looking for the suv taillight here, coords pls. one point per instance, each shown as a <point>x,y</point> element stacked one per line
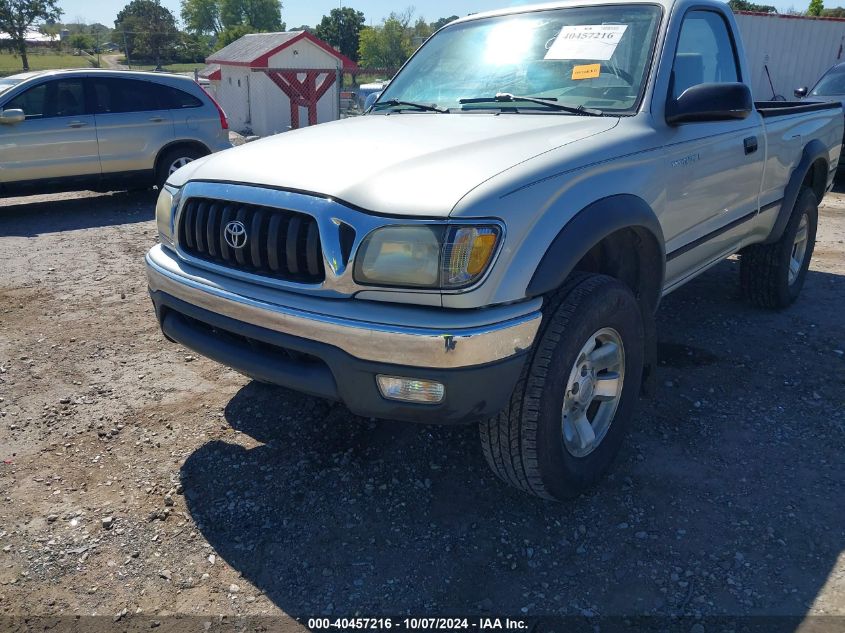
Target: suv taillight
<point>223,122</point>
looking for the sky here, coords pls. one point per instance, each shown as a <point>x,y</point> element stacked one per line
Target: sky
<point>298,12</point>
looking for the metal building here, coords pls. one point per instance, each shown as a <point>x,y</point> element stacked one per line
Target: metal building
<point>796,50</point>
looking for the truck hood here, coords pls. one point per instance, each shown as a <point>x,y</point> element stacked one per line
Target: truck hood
<point>417,164</point>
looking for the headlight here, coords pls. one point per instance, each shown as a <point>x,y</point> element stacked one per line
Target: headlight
<point>426,256</point>
<point>168,198</point>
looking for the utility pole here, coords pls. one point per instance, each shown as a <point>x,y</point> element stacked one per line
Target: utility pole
<point>126,51</point>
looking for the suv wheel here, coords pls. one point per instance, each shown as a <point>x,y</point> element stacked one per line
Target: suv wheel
<point>173,160</point>
<point>571,408</point>
<point>772,275</point>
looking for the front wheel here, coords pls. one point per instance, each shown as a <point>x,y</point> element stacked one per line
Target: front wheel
<point>570,410</point>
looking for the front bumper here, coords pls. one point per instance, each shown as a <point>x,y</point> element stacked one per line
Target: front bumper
<point>304,343</point>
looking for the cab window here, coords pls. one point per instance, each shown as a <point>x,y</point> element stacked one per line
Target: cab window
<point>705,53</point>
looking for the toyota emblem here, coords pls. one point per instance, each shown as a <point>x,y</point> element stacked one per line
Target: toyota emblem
<point>235,234</point>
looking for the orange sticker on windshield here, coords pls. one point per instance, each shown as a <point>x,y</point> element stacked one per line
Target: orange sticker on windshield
<point>586,71</point>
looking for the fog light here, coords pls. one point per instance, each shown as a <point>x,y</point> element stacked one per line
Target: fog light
<point>410,389</point>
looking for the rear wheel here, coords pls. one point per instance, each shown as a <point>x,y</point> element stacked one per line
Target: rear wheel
<point>772,275</point>
<point>570,410</point>
<point>173,160</point>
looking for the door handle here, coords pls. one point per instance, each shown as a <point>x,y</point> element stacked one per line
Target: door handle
<point>156,119</point>
<point>77,124</point>
<point>750,144</point>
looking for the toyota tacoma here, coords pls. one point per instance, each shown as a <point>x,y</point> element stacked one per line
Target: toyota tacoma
<point>535,180</point>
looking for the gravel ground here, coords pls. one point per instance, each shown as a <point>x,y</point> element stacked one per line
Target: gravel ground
<point>136,477</point>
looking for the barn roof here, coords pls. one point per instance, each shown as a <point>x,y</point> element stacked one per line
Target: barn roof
<point>255,49</point>
<point>211,72</point>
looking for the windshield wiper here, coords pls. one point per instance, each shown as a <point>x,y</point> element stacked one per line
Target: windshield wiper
<point>410,104</point>
<point>506,97</point>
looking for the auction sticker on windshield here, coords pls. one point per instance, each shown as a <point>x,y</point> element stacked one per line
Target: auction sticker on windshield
<point>587,71</point>
<point>587,41</point>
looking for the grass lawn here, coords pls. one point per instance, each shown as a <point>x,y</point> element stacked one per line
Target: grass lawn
<point>9,64</point>
<point>171,68</point>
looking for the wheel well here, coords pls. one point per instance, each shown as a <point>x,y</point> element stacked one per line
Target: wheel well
<point>633,256</point>
<point>816,178</point>
<point>177,144</point>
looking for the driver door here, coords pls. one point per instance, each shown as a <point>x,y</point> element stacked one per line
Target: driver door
<point>715,167</point>
<point>56,143</point>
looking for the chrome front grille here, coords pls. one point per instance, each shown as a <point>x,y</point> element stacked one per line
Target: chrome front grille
<point>278,243</point>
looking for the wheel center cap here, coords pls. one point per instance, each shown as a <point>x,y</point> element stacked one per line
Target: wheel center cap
<point>586,388</point>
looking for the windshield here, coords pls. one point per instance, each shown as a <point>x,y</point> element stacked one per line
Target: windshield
<point>594,57</point>
<point>833,83</point>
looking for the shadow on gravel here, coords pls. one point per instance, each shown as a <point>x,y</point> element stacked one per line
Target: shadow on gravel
<point>28,219</point>
<point>727,498</point>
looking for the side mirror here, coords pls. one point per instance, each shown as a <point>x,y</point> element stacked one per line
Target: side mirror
<point>371,99</point>
<point>710,102</point>
<point>10,117</point>
<point>801,92</point>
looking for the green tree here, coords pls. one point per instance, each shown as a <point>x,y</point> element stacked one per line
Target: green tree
<point>202,17</point>
<point>18,16</point>
<point>232,33</point>
<point>744,5</point>
<point>192,48</point>
<point>342,29</point>
<point>816,7</point>
<point>439,24</point>
<point>261,15</point>
<point>149,30</point>
<point>388,45</point>
<point>836,12</point>
<point>81,41</point>
<point>421,32</point>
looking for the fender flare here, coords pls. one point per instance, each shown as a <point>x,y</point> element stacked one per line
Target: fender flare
<point>587,228</point>
<point>813,151</point>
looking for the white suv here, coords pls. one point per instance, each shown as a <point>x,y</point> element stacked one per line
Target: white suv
<point>102,130</point>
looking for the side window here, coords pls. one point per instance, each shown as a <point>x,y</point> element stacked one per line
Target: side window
<point>32,102</point>
<point>176,99</point>
<point>705,52</point>
<point>61,98</point>
<point>69,98</point>
<point>115,96</point>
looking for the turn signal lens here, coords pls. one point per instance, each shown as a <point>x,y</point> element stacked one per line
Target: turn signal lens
<point>467,253</point>
<point>410,389</point>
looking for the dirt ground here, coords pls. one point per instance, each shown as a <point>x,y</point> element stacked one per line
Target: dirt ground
<point>138,478</point>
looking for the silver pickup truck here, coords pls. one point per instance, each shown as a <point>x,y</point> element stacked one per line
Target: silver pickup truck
<point>534,180</point>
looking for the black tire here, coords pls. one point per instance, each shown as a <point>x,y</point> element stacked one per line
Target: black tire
<point>171,156</point>
<point>764,269</point>
<point>524,444</point>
